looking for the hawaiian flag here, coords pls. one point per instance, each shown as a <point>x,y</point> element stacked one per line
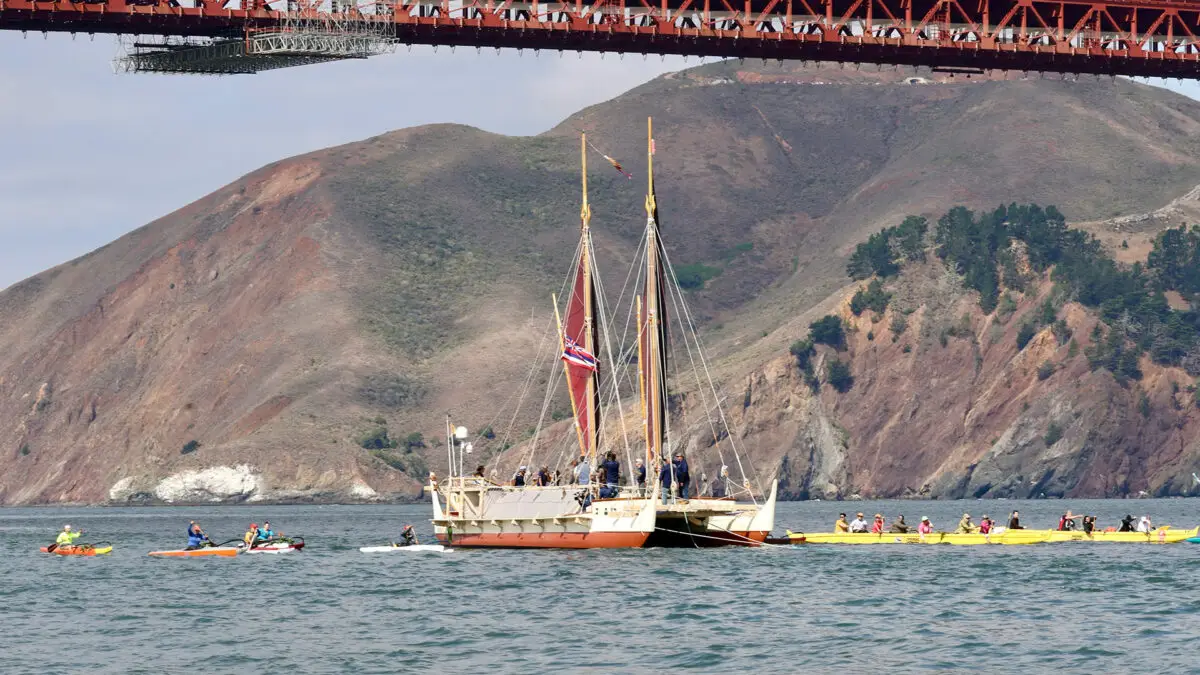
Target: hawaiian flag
<point>573,353</point>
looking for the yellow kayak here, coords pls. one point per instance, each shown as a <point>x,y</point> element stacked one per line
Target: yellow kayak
<point>1007,537</point>
<point>1162,535</point>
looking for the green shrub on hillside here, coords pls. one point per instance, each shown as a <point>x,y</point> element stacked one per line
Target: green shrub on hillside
<point>376,439</point>
<point>837,374</point>
<point>694,276</point>
<point>873,297</point>
<point>828,330</point>
<point>886,251</point>
<point>1054,433</point>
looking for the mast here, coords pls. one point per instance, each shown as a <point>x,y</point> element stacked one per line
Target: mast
<point>577,331</point>
<point>652,344</point>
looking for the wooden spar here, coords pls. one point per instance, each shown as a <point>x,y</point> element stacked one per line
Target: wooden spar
<point>642,385</point>
<point>585,217</point>
<point>653,361</point>
<point>562,347</point>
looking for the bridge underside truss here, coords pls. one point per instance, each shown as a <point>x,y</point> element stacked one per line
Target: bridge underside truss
<point>1117,37</point>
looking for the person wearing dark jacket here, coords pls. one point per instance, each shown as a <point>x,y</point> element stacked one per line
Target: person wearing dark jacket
<point>639,474</point>
<point>665,478</point>
<point>1014,521</point>
<point>681,475</point>
<point>1126,524</point>
<point>612,476</point>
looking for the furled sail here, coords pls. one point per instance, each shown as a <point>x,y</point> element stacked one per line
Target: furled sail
<point>652,323</point>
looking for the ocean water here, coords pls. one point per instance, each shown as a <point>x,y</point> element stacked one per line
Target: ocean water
<point>1070,608</point>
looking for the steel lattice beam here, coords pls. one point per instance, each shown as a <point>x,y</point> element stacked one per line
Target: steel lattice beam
<point>1153,38</point>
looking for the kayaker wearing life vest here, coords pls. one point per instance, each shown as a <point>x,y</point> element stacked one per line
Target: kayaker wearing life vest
<point>196,536</point>
<point>408,536</point>
<point>251,535</point>
<point>67,537</point>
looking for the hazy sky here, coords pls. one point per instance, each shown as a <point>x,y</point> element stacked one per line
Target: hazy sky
<point>86,155</point>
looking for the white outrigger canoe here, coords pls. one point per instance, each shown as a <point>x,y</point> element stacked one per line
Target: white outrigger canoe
<point>414,548</point>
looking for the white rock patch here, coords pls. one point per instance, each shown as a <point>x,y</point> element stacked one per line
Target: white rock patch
<point>363,491</point>
<point>214,484</point>
<point>121,489</point>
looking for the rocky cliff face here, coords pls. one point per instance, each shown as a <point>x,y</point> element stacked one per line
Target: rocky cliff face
<point>289,336</point>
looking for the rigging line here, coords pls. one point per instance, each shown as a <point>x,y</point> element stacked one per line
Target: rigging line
<point>716,395</point>
<point>612,367</point>
<point>521,393</point>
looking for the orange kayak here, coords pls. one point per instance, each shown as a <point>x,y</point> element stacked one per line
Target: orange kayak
<point>78,549</point>
<point>224,551</point>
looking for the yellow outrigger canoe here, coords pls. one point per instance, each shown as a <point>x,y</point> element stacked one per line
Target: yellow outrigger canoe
<point>957,539</point>
<point>1162,535</point>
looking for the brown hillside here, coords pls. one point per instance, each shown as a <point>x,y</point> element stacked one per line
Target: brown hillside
<point>282,319</point>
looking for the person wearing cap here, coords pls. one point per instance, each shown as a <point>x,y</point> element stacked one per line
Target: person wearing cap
<point>899,526</point>
<point>925,527</point>
<point>1144,525</point>
<point>639,474</point>
<point>1014,521</point>
<point>583,472</point>
<point>251,535</point>
<point>408,536</point>
<point>965,526</point>
<point>877,524</point>
<point>858,524</point>
<point>841,525</point>
<point>196,536</point>
<point>986,525</point>
<point>67,537</point>
<point>682,477</point>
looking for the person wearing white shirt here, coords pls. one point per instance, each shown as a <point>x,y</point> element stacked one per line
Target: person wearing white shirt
<point>858,524</point>
<point>1144,525</point>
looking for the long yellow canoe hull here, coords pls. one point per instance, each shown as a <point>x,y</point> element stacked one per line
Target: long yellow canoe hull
<point>1009,537</point>
<point>1163,535</point>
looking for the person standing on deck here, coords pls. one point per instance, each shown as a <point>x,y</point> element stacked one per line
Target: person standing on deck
<point>639,473</point>
<point>682,477</point>
<point>583,472</point>
<point>519,478</point>
<point>718,485</point>
<point>666,480</point>
<point>612,476</point>
<point>543,477</point>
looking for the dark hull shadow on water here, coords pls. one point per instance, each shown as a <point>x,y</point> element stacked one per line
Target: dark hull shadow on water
<point>1070,608</point>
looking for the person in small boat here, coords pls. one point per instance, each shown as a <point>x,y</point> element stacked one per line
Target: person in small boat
<point>682,477</point>
<point>196,537</point>
<point>858,524</point>
<point>899,526</point>
<point>1089,524</point>
<point>519,478</point>
<point>67,537</point>
<point>1067,522</point>
<point>719,485</point>
<point>1126,524</point>
<point>543,478</point>
<point>965,526</point>
<point>639,474</point>
<point>986,524</point>
<point>612,475</point>
<point>926,527</point>
<point>251,535</point>
<point>265,533</point>
<point>841,525</point>
<point>1014,521</point>
<point>408,536</point>
<point>1144,525</point>
<point>666,478</point>
<point>877,524</point>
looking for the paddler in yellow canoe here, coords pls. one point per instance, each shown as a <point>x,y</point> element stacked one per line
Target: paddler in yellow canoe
<point>965,526</point>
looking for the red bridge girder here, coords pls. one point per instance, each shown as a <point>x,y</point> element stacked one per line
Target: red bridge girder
<point>1119,37</point>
